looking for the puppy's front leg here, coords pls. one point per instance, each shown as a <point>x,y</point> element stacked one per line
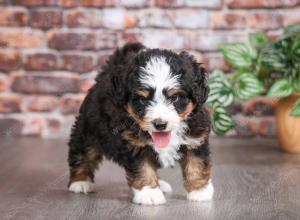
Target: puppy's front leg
<point>196,171</point>
<point>143,180</point>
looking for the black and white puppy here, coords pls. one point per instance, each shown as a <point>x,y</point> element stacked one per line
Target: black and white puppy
<point>145,112</point>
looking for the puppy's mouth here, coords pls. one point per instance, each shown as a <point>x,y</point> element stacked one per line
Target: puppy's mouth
<point>161,139</point>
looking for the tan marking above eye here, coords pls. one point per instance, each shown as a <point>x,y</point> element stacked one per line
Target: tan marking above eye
<point>143,93</point>
<point>173,92</point>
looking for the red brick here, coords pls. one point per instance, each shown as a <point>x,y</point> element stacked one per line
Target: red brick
<point>130,21</point>
<point>13,17</point>
<point>22,38</point>
<point>106,40</point>
<point>86,84</point>
<point>4,83</point>
<point>32,3</point>
<point>134,3</point>
<point>267,127</point>
<point>262,3</point>
<point>46,19</point>
<point>214,61</point>
<point>236,108</point>
<point>71,40</point>
<point>113,18</point>
<point>193,19</point>
<point>156,18</point>
<point>227,20</point>
<point>53,127</point>
<point>214,4</point>
<point>42,103</point>
<point>45,84</point>
<point>98,3</point>
<point>40,61</point>
<point>210,42</point>
<point>260,106</point>
<point>265,21</point>
<point>246,127</point>
<point>292,17</point>
<point>77,63</point>
<point>11,127</point>
<point>164,39</point>
<point>84,18</point>
<point>9,61</point>
<point>68,3</point>
<point>102,59</point>
<point>70,104</point>
<point>169,3</point>
<point>33,126</point>
<point>131,37</point>
<point>10,104</point>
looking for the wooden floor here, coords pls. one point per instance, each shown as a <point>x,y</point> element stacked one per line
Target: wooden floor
<point>252,179</point>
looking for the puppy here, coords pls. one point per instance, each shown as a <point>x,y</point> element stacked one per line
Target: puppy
<point>145,112</point>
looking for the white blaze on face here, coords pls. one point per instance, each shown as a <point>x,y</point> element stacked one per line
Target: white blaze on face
<point>157,75</point>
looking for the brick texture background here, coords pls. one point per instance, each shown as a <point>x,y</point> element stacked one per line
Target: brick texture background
<point>50,51</point>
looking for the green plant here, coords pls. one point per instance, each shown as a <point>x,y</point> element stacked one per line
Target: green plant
<point>260,68</point>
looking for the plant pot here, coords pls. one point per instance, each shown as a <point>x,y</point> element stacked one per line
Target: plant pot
<point>288,127</point>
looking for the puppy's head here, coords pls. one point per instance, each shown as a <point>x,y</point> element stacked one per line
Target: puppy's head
<point>163,89</point>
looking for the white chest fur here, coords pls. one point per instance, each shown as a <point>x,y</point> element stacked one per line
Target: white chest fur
<point>168,155</point>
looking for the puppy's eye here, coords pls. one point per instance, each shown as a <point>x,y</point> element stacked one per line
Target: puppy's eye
<point>175,98</point>
<point>142,100</point>
<point>179,97</point>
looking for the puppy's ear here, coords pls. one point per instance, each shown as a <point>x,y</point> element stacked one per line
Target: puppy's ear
<point>199,79</point>
<point>120,66</point>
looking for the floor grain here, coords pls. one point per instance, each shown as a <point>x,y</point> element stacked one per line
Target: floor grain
<point>252,180</point>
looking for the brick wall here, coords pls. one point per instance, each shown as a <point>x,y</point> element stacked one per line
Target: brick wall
<point>50,51</point>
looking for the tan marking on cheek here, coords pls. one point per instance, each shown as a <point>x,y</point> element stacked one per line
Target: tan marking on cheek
<point>146,175</point>
<point>143,122</point>
<point>195,174</point>
<point>189,108</point>
<point>143,93</point>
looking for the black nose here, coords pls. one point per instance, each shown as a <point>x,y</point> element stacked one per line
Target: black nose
<point>159,124</point>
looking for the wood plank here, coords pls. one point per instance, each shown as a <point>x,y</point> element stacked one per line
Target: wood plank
<point>252,180</point>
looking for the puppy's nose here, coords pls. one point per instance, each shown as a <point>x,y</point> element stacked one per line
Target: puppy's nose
<point>160,124</point>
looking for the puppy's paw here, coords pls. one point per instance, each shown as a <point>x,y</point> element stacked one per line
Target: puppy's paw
<point>202,195</point>
<point>164,186</point>
<point>82,187</point>
<point>148,196</point>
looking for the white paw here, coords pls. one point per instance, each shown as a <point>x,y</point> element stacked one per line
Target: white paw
<point>201,195</point>
<point>82,187</point>
<point>148,196</point>
<point>164,186</point>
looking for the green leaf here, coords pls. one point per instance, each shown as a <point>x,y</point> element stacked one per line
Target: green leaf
<point>247,86</point>
<point>281,88</point>
<point>220,89</point>
<point>274,58</point>
<point>222,121</point>
<point>239,55</point>
<point>292,29</point>
<point>296,84</point>
<point>258,39</point>
<point>296,109</point>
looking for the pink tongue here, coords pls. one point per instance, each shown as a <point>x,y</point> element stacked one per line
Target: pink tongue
<point>161,139</point>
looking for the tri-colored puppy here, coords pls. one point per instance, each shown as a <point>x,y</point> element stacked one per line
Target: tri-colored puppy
<point>145,112</point>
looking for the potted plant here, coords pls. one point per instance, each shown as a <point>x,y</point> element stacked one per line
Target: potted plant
<point>260,68</point>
